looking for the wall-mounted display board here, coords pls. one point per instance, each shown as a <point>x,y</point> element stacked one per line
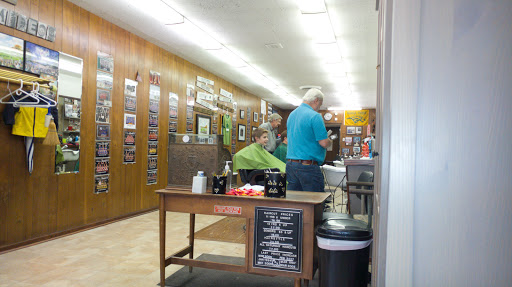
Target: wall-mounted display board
<point>278,238</point>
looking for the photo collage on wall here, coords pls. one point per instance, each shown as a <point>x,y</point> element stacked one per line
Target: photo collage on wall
<point>173,113</point>
<point>154,108</point>
<point>104,84</point>
<point>129,121</point>
<point>190,107</point>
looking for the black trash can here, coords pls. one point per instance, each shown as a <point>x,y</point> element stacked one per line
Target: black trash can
<point>344,252</point>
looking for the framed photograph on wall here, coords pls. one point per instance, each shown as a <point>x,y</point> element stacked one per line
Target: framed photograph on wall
<point>11,52</point>
<point>242,114</point>
<point>39,60</point>
<point>102,132</point>
<point>203,124</point>
<point>351,130</point>
<point>359,130</point>
<point>241,132</point>
<point>253,128</point>
<point>255,117</point>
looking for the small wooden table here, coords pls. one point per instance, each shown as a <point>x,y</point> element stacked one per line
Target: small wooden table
<point>181,199</point>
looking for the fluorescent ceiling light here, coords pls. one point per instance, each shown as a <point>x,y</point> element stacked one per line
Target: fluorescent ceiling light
<point>159,10</point>
<point>228,57</point>
<point>312,6</point>
<point>279,92</point>
<point>330,52</point>
<point>335,68</point>
<point>319,27</point>
<point>192,33</point>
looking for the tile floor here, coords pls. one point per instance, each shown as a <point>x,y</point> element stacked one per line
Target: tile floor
<point>125,253</point>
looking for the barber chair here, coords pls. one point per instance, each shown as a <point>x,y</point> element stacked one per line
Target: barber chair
<point>334,179</point>
<point>363,187</point>
<point>254,176</point>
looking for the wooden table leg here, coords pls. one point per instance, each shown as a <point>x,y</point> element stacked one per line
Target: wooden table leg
<point>297,282</point>
<point>191,238</point>
<point>162,240</point>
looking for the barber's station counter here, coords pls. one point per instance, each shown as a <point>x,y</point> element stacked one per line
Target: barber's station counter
<point>270,222</point>
<point>354,168</point>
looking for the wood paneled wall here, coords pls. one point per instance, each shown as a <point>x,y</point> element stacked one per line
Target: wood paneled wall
<point>44,204</point>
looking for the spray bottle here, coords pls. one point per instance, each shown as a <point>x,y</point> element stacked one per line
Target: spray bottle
<point>227,172</point>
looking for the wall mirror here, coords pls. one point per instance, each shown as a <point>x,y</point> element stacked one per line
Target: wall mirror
<point>67,155</point>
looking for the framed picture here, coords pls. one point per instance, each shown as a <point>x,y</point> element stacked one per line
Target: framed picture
<point>154,78</point>
<point>102,132</point>
<point>154,106</point>
<point>102,115</point>
<point>101,183</point>
<point>130,121</point>
<point>152,177</point>
<point>105,62</point>
<point>345,151</point>
<point>103,98</point>
<point>255,117</point>
<point>357,140</point>
<point>39,60</point>
<point>129,138</point>
<point>152,162</point>
<point>104,80</point>
<point>129,154</point>
<point>102,149</point>
<point>357,149</point>
<point>351,130</point>
<point>203,124</point>
<point>359,130</point>
<point>130,104</point>
<point>173,126</point>
<point>152,148</point>
<point>241,132</point>
<point>153,120</point>
<point>242,114</point>
<point>11,52</point>
<point>102,165</point>
<point>153,135</point>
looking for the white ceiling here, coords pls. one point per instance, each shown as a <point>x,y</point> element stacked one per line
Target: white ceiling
<point>246,26</point>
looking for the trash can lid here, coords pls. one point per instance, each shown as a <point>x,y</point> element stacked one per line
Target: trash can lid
<point>344,229</point>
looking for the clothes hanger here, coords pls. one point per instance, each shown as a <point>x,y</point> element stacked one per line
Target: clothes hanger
<point>46,102</point>
<point>12,99</point>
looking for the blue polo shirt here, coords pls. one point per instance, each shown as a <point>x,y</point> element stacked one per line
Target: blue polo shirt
<point>305,127</point>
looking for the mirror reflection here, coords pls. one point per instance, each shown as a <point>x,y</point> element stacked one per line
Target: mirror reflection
<point>67,156</point>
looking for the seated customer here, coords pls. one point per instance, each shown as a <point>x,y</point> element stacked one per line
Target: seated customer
<point>255,157</point>
<point>282,149</point>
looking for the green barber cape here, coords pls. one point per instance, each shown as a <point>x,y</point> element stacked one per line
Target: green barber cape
<point>255,157</point>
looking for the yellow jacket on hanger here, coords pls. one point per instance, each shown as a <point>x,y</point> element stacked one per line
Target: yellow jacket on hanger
<point>29,122</point>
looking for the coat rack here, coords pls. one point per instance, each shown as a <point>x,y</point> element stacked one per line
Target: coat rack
<point>36,99</point>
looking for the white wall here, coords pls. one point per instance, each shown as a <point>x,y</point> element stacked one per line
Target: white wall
<point>462,192</point>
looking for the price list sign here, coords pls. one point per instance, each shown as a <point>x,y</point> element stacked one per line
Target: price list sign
<point>278,239</point>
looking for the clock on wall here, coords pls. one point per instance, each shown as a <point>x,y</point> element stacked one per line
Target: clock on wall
<point>327,116</point>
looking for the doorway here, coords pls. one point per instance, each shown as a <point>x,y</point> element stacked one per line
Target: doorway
<point>334,150</point>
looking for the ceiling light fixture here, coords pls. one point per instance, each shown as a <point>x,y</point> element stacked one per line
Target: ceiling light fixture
<point>312,6</point>
<point>228,57</point>
<point>159,10</point>
<point>319,27</point>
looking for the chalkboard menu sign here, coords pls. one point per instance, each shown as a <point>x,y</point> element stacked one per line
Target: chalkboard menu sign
<point>278,238</point>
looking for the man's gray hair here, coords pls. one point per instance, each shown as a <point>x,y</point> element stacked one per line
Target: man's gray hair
<point>313,94</point>
<point>274,117</point>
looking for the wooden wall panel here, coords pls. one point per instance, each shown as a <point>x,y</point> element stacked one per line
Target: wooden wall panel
<point>43,204</point>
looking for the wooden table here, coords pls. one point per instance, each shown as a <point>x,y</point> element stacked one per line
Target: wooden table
<point>181,199</point>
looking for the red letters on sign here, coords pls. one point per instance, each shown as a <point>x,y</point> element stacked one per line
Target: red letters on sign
<point>227,209</point>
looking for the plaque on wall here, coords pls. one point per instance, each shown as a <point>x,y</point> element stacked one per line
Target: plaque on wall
<point>278,239</point>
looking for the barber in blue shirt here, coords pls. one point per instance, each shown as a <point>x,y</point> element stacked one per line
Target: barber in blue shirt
<point>307,143</point>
